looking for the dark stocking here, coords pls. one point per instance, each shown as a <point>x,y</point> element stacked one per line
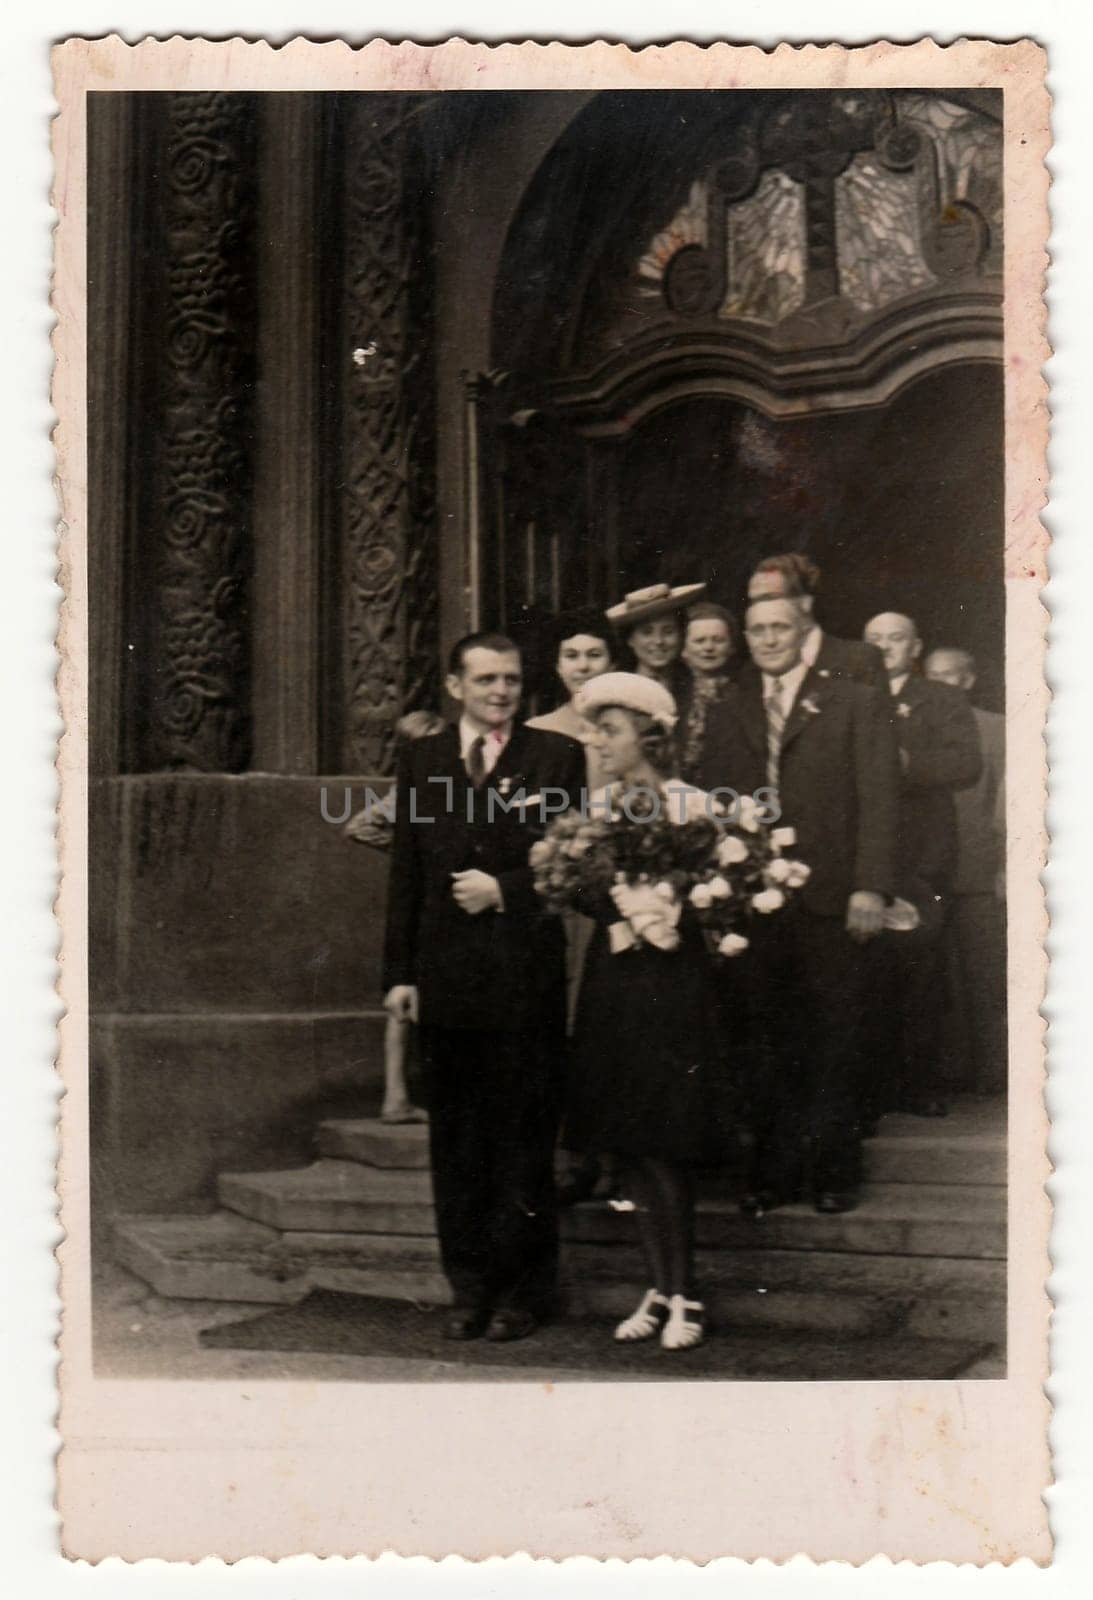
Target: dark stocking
<point>664,1199</point>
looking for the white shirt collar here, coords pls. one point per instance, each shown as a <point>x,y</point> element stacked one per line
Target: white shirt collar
<point>791,682</point>
<point>813,644</point>
<point>895,685</point>
<point>496,740</point>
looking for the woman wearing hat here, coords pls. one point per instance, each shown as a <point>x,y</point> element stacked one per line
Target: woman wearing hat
<point>650,624</point>
<point>647,1081</point>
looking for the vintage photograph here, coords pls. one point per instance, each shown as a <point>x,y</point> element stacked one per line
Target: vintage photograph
<point>552,800</point>
<point>546,443</point>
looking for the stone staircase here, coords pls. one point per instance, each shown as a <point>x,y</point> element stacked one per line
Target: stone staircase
<point>923,1255</point>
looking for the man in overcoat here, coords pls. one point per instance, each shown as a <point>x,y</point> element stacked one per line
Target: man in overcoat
<point>976,934</point>
<point>473,958</point>
<point>939,753</point>
<point>825,745</point>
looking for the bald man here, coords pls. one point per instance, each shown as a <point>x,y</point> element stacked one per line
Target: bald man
<point>938,753</point>
<point>976,935</point>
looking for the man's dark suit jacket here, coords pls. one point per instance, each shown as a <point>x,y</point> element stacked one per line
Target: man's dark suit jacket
<point>498,971</point>
<point>838,780</point>
<point>851,658</point>
<point>935,728</point>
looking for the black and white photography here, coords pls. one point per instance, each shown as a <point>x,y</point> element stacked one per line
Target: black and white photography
<point>546,702</point>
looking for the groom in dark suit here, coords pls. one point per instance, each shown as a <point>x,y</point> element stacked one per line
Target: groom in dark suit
<point>472,957</point>
<point>825,744</point>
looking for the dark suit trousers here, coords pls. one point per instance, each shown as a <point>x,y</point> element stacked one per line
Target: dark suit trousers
<point>493,1117</point>
<point>904,1060</point>
<point>976,950</point>
<point>807,992</point>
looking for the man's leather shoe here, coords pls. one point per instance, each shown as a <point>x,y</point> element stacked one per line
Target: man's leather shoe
<point>510,1323</point>
<point>757,1202</point>
<point>466,1322</point>
<point>832,1201</point>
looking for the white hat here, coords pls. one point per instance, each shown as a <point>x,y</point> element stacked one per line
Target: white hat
<point>642,604</point>
<point>630,691</point>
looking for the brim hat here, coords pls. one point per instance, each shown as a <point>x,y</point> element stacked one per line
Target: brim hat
<point>641,605</point>
<point>629,691</point>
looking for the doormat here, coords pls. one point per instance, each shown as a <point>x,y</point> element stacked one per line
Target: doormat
<point>332,1323</point>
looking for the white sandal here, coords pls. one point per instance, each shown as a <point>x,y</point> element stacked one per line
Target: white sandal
<point>647,1321</point>
<point>686,1324</point>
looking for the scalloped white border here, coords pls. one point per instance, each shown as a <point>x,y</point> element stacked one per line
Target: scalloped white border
<point>147,1465</point>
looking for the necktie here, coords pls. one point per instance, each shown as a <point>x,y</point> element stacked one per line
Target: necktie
<point>776,722</point>
<point>476,761</point>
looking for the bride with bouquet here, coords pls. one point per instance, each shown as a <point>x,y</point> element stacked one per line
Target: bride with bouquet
<point>667,882</point>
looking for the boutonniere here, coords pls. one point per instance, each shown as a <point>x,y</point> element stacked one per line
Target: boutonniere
<point>823,672</point>
<point>809,705</point>
<point>903,709</point>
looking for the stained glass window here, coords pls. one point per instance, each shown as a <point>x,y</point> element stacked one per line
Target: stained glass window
<point>969,158</point>
<point>885,216</point>
<point>879,237</point>
<point>688,226</point>
<point>767,251</point>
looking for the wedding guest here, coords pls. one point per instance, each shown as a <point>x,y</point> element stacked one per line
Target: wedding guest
<point>796,577</point>
<point>471,956</point>
<point>938,753</point>
<point>582,644</point>
<point>825,746</point>
<point>710,645</point>
<point>649,623</point>
<point>976,933</point>
<point>582,647</point>
<point>648,1077</point>
<point>374,827</point>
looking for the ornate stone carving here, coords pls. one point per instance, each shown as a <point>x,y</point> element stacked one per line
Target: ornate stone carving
<point>389,584</point>
<point>203,343</point>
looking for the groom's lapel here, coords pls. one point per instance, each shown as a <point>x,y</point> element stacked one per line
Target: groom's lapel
<point>808,705</point>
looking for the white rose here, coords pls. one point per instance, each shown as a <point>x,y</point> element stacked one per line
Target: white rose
<point>782,838</point>
<point>777,871</point>
<point>719,888</point>
<point>748,817</point>
<point>665,890</point>
<point>731,850</point>
<point>701,897</point>
<point>799,874</point>
<point>768,900</point>
<point>732,944</point>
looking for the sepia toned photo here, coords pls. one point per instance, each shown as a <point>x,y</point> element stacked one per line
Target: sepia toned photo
<point>557,719</point>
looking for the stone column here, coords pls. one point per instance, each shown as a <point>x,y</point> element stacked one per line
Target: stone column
<point>191,556</point>
<point>386,592</point>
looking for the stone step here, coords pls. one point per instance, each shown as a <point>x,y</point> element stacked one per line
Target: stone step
<point>911,1156</point>
<point>375,1143</point>
<point>219,1257</point>
<point>333,1196</point>
<point>955,1149</point>
<point>892,1219</point>
<point>227,1257</point>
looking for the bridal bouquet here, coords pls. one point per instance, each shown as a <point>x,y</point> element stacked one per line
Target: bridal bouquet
<point>749,876</point>
<point>727,869</point>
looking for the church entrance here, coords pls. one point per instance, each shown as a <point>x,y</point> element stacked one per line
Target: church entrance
<point>761,346</point>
